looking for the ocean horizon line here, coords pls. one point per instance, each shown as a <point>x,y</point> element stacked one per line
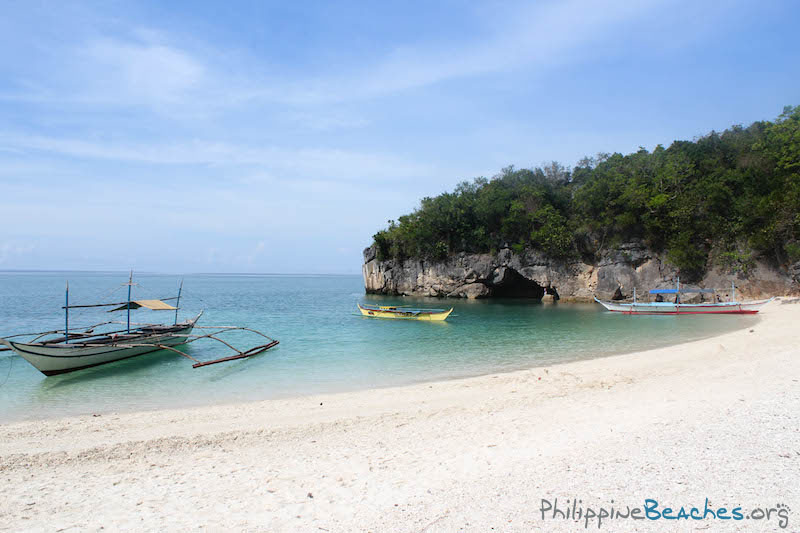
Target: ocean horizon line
<point>168,273</point>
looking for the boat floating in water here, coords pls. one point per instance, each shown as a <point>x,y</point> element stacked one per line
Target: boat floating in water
<point>678,308</point>
<point>67,350</point>
<point>405,313</point>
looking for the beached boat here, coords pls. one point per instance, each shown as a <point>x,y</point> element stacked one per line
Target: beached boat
<point>667,308</point>
<point>405,313</point>
<point>61,351</point>
<point>676,307</point>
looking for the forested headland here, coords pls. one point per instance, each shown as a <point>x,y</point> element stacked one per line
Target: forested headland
<point>724,199</point>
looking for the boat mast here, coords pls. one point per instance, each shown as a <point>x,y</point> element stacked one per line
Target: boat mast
<point>130,283</point>
<point>733,291</point>
<point>634,295</point>
<point>66,315</point>
<point>178,302</point>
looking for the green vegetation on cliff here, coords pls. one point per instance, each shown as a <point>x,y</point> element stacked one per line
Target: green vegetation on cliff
<point>729,196</point>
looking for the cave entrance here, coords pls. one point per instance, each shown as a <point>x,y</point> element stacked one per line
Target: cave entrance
<point>515,285</point>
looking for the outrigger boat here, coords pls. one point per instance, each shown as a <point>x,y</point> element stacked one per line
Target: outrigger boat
<point>679,308</point>
<point>67,350</point>
<point>390,311</point>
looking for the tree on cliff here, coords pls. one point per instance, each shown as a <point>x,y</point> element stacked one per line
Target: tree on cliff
<point>725,197</point>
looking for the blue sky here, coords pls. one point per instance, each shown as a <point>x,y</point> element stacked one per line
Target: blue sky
<point>278,137</point>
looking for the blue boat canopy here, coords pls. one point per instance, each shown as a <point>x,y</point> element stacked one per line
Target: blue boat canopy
<point>682,291</point>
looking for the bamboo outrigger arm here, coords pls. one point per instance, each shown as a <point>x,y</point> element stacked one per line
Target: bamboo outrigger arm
<point>255,350</point>
<point>241,355</point>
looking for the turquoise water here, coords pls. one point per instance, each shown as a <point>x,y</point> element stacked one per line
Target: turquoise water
<point>325,346</point>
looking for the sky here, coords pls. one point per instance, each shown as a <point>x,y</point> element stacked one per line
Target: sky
<point>278,137</point>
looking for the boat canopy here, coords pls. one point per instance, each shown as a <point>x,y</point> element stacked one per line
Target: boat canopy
<point>682,291</point>
<point>155,305</point>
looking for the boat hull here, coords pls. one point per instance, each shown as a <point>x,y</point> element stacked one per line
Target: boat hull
<point>667,308</point>
<point>56,359</point>
<point>405,315</point>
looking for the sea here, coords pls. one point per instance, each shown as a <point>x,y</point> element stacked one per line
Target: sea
<point>325,344</point>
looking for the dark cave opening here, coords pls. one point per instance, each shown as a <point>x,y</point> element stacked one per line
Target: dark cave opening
<point>514,285</point>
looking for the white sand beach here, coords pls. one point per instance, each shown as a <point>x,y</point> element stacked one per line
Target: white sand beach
<point>717,418</point>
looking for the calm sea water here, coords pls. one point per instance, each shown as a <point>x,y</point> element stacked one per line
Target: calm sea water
<point>325,345</point>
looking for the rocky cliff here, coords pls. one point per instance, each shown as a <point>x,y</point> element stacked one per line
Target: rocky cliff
<point>530,274</point>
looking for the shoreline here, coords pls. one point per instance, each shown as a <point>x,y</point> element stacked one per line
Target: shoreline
<point>344,389</point>
<point>471,453</point>
<point>312,397</point>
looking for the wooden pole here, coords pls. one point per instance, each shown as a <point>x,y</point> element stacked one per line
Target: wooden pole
<point>66,315</point>
<point>130,283</point>
<point>178,303</point>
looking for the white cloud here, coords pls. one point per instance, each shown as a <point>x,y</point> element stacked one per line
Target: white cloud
<point>314,163</point>
<point>148,69</point>
<point>145,72</point>
<point>12,251</point>
<point>538,35</point>
<point>324,119</point>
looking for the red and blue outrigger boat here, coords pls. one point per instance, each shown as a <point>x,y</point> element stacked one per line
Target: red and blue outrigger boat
<point>679,308</point>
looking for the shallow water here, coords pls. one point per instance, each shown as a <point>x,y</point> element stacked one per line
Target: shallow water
<point>325,346</point>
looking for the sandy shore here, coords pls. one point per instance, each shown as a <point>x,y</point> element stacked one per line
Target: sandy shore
<point>717,419</point>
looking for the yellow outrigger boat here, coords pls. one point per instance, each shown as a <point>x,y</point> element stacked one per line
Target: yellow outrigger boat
<point>390,311</point>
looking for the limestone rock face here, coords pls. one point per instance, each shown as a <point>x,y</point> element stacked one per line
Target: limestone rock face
<point>531,274</point>
<point>795,271</point>
<point>471,290</point>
